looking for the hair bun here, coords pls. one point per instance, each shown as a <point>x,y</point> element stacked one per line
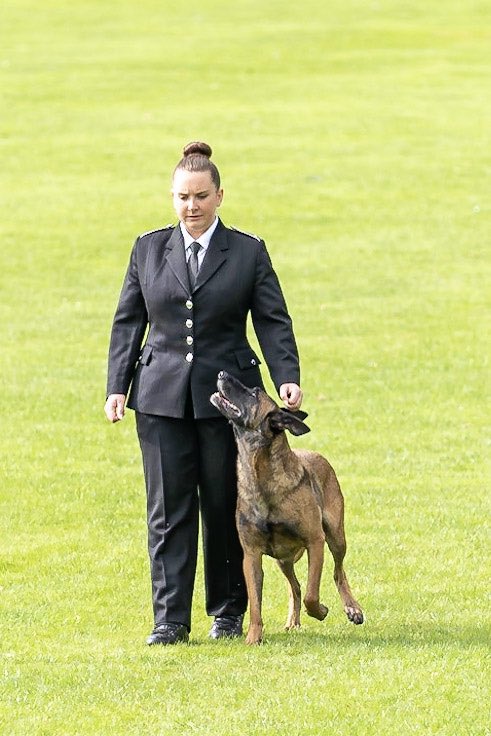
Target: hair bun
<point>202,149</point>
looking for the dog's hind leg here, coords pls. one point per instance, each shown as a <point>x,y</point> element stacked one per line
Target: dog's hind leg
<point>315,552</point>
<point>288,570</point>
<point>335,538</point>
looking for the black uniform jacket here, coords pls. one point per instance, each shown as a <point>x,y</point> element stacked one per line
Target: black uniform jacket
<point>194,334</point>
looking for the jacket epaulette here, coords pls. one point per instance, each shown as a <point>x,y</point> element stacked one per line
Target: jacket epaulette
<point>157,230</point>
<point>242,232</point>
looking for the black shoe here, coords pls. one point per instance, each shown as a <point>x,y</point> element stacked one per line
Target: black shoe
<point>227,627</point>
<point>168,634</point>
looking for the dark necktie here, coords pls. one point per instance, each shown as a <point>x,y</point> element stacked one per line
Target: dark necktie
<point>193,265</point>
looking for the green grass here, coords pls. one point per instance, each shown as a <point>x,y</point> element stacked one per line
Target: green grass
<point>354,137</point>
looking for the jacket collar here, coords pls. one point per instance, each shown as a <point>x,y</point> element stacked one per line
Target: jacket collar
<point>216,255</point>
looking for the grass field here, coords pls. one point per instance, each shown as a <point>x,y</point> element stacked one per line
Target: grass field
<point>354,137</point>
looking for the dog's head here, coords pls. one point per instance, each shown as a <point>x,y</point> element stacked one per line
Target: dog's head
<point>251,409</point>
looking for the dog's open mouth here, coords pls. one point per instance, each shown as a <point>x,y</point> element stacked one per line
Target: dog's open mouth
<point>224,405</point>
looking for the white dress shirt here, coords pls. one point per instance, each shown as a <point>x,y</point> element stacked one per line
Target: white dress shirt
<point>203,240</point>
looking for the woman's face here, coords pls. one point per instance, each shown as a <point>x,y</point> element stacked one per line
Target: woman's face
<point>195,200</point>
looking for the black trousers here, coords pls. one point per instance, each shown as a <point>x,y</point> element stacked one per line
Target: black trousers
<point>190,467</point>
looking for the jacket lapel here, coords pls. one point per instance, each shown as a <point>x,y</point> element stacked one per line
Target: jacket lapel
<point>176,258</point>
<point>216,254</point>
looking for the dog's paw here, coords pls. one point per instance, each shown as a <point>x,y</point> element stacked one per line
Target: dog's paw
<point>292,626</point>
<point>316,610</point>
<point>355,615</point>
<point>252,641</point>
<point>254,635</point>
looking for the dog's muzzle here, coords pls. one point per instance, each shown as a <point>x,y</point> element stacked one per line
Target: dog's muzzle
<point>224,405</point>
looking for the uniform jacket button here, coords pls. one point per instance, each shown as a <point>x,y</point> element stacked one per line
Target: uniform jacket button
<point>189,340</point>
<point>189,357</point>
<point>189,323</point>
<point>189,304</point>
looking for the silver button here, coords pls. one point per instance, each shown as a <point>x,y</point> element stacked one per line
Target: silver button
<point>253,362</point>
<point>189,323</point>
<point>189,340</point>
<point>189,357</point>
<point>189,304</point>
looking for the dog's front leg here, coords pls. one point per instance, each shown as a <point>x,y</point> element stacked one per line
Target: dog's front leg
<point>314,608</point>
<point>288,570</point>
<point>253,573</point>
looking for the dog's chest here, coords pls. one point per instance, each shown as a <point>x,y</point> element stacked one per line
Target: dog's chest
<point>263,529</point>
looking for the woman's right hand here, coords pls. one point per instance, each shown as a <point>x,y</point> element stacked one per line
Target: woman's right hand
<point>114,407</point>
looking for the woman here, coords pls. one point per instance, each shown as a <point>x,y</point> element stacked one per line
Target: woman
<point>193,286</point>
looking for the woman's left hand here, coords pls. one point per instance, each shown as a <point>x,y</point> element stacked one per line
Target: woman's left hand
<point>291,395</point>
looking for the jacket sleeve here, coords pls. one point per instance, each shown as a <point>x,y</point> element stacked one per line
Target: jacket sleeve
<point>128,330</point>
<point>272,323</point>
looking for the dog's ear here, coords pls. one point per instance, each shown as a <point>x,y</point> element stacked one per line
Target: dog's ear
<point>298,413</point>
<point>281,419</point>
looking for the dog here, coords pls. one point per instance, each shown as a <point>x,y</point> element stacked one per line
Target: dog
<point>288,501</point>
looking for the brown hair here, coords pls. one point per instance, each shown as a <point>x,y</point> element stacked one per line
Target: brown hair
<point>196,157</point>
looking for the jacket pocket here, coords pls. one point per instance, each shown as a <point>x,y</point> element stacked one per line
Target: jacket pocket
<point>146,355</point>
<point>246,358</point>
